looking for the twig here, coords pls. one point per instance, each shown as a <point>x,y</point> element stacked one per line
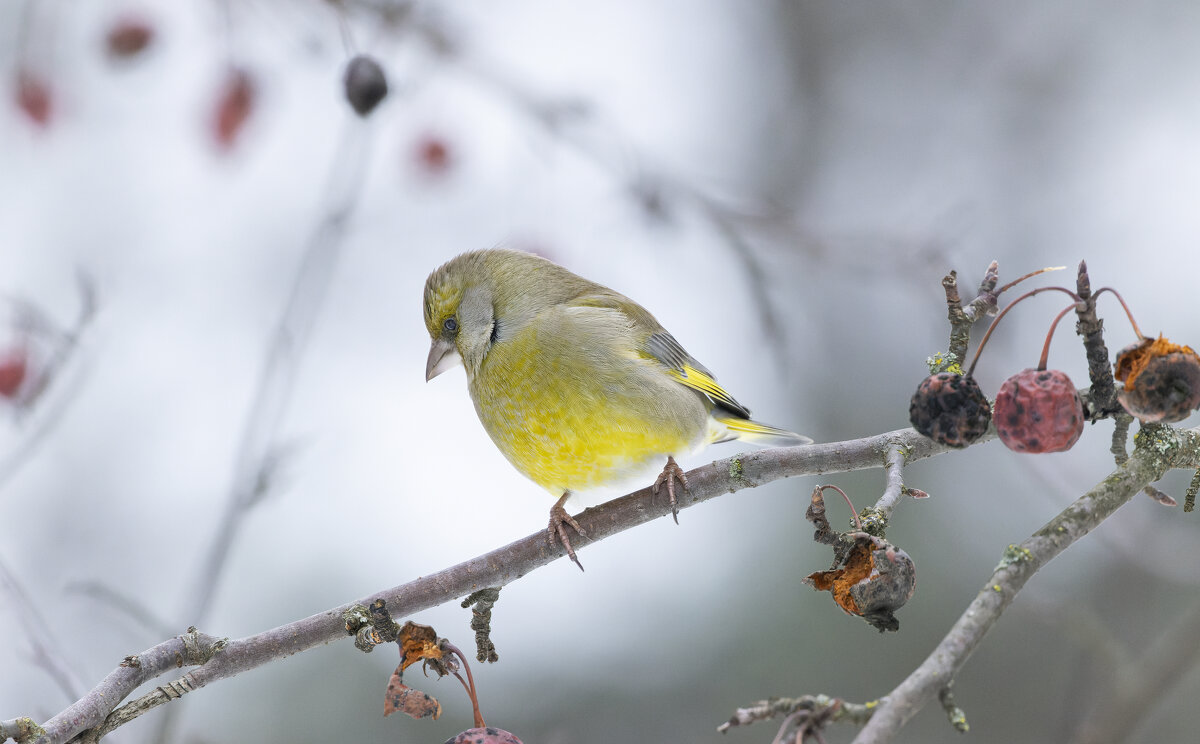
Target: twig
<point>1102,399</point>
<point>962,318</point>
<point>562,120</point>
<point>954,714</point>
<point>814,705</point>
<point>1158,449</point>
<point>894,490</point>
<point>481,622</point>
<point>1120,437</point>
<point>19,729</point>
<point>45,647</point>
<point>503,565</point>
<point>254,471</point>
<point>123,603</point>
<point>189,649</point>
<point>1141,681</point>
<point>66,346</point>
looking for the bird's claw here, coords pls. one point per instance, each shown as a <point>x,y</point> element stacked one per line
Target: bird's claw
<point>671,473</point>
<point>557,529</point>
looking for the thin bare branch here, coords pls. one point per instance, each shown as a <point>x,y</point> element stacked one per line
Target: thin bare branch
<point>501,566</point>
<point>257,460</point>
<point>65,347</point>
<point>46,650</point>
<point>893,492</point>
<point>1158,449</point>
<point>122,603</point>
<point>1140,683</point>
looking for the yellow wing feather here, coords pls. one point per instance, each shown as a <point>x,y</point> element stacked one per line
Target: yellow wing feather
<point>704,382</point>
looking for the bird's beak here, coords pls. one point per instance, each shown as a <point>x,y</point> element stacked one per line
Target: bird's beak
<point>442,356</point>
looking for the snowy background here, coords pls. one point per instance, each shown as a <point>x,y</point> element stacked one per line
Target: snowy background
<point>783,184</point>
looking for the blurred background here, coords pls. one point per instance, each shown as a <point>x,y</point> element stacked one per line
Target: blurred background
<point>210,284</point>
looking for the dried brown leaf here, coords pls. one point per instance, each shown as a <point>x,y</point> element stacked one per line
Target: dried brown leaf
<point>407,700</point>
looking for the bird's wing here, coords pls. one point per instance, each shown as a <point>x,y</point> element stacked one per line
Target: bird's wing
<point>686,370</point>
<point>663,348</point>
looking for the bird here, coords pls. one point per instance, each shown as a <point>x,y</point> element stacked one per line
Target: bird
<point>576,384</point>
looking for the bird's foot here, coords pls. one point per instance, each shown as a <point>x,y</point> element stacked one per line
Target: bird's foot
<point>559,520</point>
<point>671,473</point>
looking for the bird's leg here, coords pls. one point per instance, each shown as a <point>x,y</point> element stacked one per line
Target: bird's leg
<point>671,473</point>
<point>559,519</point>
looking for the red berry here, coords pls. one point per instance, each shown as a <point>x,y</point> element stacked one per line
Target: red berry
<point>34,98</point>
<point>234,106</point>
<point>433,155</point>
<point>1039,410</point>
<point>128,37</point>
<point>489,735</point>
<point>1162,380</point>
<point>14,367</point>
<point>950,409</point>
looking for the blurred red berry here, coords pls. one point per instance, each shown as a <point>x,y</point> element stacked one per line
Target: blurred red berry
<point>34,97</point>
<point>1039,410</point>
<point>433,155</point>
<point>235,103</point>
<point>128,37</point>
<point>14,367</point>
<point>489,735</point>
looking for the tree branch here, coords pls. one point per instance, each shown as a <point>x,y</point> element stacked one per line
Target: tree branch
<point>497,568</point>
<point>1140,683</point>
<point>1158,449</point>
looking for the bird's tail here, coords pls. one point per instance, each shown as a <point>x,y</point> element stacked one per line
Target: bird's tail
<point>734,427</point>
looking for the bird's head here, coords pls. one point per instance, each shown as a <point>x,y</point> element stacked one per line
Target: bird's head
<point>459,314</point>
<point>483,297</point>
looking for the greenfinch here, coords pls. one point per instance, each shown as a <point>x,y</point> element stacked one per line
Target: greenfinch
<point>576,384</point>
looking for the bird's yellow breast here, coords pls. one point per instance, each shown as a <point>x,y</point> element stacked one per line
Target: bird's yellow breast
<point>572,407</point>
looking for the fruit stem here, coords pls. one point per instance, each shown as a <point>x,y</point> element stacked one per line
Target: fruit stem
<point>1128,314</point>
<point>1002,313</point>
<point>857,521</point>
<point>471,689</point>
<point>1020,279</point>
<point>1046,346</point>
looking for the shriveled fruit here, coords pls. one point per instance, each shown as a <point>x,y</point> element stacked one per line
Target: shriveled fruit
<point>1161,380</point>
<point>1039,410</point>
<point>488,735</point>
<point>950,409</point>
<point>874,581</point>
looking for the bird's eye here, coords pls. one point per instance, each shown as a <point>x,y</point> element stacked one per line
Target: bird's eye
<point>450,325</point>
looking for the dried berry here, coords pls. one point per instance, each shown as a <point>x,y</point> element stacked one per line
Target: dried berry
<point>1039,410</point>
<point>488,735</point>
<point>365,84</point>
<point>1162,380</point>
<point>950,409</point>
<point>874,581</point>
